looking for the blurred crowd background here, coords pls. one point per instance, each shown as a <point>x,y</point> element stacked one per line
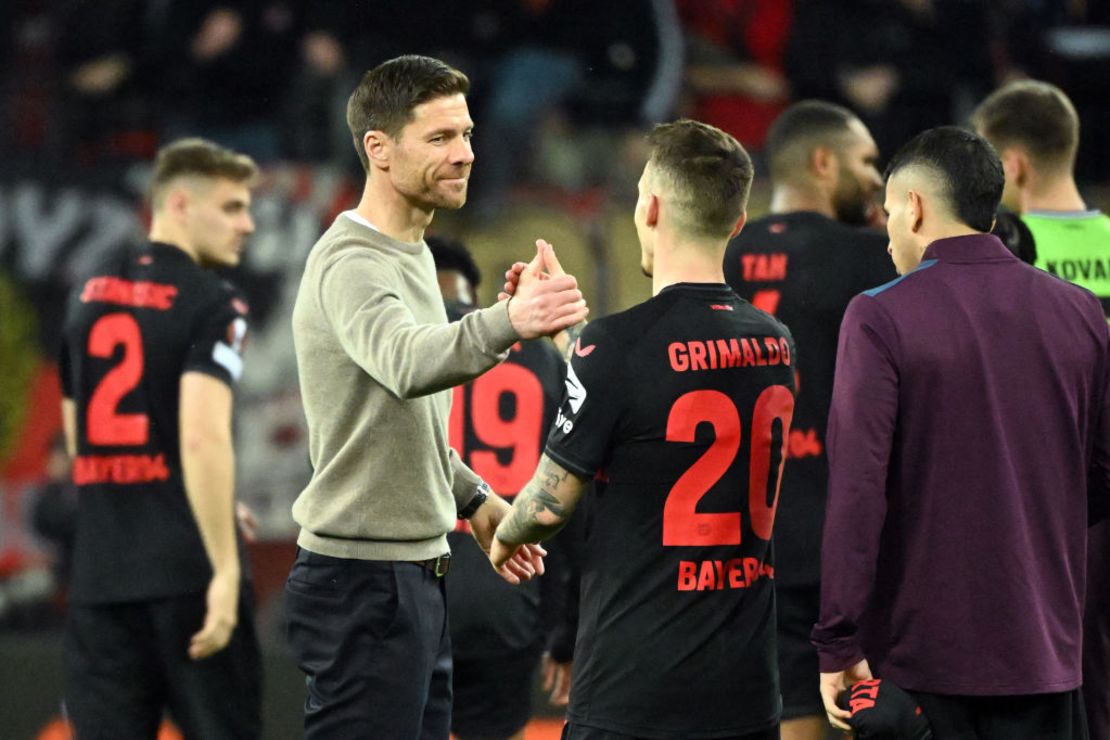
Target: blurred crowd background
<point>562,91</point>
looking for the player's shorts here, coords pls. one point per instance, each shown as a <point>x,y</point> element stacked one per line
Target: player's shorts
<point>1030,717</point>
<point>797,609</point>
<point>127,663</point>
<point>493,694</point>
<point>573,731</point>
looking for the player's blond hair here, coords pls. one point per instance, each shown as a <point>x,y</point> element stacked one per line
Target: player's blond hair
<point>195,157</point>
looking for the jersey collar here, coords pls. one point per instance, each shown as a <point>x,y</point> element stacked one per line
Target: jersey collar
<point>971,248</point>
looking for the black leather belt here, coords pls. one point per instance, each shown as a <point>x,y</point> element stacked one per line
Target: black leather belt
<point>438,566</point>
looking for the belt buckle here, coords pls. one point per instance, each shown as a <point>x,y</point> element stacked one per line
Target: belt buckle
<point>442,564</point>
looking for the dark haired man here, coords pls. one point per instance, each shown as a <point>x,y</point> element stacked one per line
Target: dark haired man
<point>680,407</point>
<point>803,264</point>
<point>457,274</point>
<point>377,359</point>
<point>160,616</point>
<point>970,415</point>
<point>1035,129</point>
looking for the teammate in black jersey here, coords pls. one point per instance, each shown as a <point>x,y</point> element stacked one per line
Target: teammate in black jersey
<point>681,407</point>
<point>159,617</point>
<point>498,425</point>
<point>804,263</point>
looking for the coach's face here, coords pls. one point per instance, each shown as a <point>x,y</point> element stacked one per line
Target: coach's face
<point>218,220</point>
<point>429,162</point>
<point>858,181</point>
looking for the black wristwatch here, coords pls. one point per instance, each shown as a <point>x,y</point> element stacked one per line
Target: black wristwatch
<point>479,498</point>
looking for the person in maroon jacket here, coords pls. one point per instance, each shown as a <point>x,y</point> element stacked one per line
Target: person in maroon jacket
<point>970,425</point>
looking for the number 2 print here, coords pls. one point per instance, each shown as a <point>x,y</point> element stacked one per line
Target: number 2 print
<point>105,425</point>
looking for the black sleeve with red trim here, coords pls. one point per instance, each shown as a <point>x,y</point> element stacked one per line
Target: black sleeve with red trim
<point>217,347</point>
<point>592,404</point>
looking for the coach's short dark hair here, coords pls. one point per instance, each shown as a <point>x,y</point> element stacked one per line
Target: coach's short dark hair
<point>1033,115</point>
<point>452,254</point>
<point>965,166</point>
<point>799,130</point>
<point>710,174</point>
<point>201,158</point>
<point>387,94</point>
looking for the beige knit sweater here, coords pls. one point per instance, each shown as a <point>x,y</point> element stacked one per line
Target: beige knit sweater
<point>377,360</point>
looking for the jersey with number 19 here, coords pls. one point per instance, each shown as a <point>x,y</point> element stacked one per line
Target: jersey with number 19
<point>139,321</point>
<point>681,406</point>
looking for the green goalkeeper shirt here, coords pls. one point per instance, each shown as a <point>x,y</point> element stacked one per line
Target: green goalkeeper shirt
<point>1074,245</point>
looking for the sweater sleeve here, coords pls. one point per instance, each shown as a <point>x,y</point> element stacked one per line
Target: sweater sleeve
<point>860,436</point>
<point>464,484</point>
<point>362,301</point>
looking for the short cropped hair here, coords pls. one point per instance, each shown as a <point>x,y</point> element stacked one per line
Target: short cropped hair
<point>799,130</point>
<point>452,254</point>
<point>198,158</point>
<point>709,174</point>
<point>963,164</point>
<point>1033,115</point>
<point>387,94</point>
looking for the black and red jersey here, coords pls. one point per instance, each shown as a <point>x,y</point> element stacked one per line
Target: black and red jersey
<point>498,424</point>
<point>804,268</point>
<point>681,408</point>
<point>133,326</point>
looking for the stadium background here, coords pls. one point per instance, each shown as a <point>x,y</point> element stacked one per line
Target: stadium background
<point>562,91</point>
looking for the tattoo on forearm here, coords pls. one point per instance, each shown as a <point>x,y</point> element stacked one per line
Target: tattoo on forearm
<point>573,333</point>
<point>537,512</point>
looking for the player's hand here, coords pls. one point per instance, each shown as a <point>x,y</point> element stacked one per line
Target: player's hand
<point>219,619</point>
<point>515,564</point>
<point>546,299</point>
<point>556,680</point>
<point>831,686</point>
<point>512,277</point>
<point>248,522</point>
<point>552,268</point>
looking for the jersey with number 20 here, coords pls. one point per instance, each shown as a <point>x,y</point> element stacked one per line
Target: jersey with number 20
<point>681,407</point>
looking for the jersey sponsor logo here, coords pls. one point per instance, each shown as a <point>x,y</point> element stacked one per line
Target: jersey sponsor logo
<point>124,469</point>
<point>563,423</point>
<point>581,351</point>
<point>721,575</point>
<point>576,392</point>
<point>1073,270</point>
<point>719,354</point>
<point>140,294</point>
<point>764,268</point>
<point>720,306</point>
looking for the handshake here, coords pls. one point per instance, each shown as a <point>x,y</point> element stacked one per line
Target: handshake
<point>543,299</point>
